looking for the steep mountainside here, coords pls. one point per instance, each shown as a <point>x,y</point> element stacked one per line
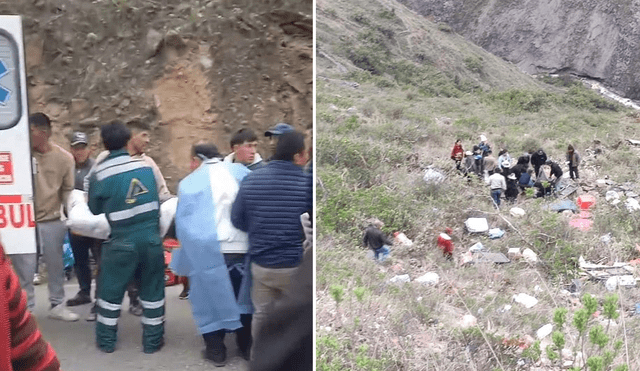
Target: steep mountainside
<point>591,38</point>
<point>195,70</point>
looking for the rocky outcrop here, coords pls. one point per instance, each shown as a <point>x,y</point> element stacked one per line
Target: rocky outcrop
<point>598,39</point>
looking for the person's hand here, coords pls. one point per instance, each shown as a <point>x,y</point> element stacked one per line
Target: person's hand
<point>308,230</point>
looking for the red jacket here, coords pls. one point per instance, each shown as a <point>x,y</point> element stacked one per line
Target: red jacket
<point>457,153</point>
<point>22,347</point>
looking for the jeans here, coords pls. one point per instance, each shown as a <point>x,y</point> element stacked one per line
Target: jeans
<point>495,194</point>
<point>382,253</point>
<point>81,246</point>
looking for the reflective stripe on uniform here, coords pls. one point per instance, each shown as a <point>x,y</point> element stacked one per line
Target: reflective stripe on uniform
<point>152,304</point>
<point>152,321</point>
<point>108,306</point>
<point>107,321</point>
<point>110,162</point>
<point>118,169</point>
<point>130,213</point>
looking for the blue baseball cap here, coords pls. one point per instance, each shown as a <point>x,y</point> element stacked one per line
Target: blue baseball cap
<point>279,129</point>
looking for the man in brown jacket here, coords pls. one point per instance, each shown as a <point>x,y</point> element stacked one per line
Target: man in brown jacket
<point>54,181</point>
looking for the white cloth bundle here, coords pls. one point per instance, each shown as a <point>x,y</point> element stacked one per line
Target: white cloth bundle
<point>81,221</point>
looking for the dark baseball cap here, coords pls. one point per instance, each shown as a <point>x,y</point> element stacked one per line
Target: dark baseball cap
<point>79,138</point>
<point>279,129</point>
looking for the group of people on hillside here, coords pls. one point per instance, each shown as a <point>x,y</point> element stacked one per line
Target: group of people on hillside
<point>531,169</point>
<point>243,224</point>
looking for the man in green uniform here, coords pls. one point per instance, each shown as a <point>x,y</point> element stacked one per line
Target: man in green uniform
<point>124,189</point>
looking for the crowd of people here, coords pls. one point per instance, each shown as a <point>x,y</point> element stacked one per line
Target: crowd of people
<point>507,179</point>
<point>245,236</point>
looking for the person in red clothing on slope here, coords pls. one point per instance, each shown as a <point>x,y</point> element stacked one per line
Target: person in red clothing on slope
<point>22,347</point>
<point>457,153</point>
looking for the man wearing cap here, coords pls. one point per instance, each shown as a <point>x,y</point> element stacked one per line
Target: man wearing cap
<point>274,133</point>
<point>81,245</point>
<point>469,164</point>
<point>54,180</point>
<point>244,144</point>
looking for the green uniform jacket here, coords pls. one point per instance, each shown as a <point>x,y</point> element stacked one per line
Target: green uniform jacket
<point>124,189</point>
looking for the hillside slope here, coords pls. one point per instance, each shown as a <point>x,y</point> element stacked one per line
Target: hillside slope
<point>394,92</point>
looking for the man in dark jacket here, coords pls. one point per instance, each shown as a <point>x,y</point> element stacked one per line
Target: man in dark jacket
<point>81,245</point>
<point>376,240</point>
<point>268,207</point>
<point>556,172</point>
<point>538,159</point>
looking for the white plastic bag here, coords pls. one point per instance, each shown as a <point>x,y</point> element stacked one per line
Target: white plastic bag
<point>83,222</point>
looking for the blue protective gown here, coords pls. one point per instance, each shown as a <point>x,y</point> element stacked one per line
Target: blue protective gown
<point>203,226</point>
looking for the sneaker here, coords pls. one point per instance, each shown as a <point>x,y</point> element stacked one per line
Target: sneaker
<point>80,299</point>
<point>184,295</point>
<point>218,356</point>
<point>62,313</point>
<point>37,279</point>
<point>136,309</point>
<point>92,314</point>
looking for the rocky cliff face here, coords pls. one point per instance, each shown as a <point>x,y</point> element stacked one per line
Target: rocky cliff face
<point>195,70</point>
<point>598,39</point>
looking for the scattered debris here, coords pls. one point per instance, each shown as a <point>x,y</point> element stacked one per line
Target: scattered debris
<point>585,202</point>
<point>564,205</point>
<point>402,278</point>
<point>582,224</point>
<point>430,278</point>
<point>477,247</point>
<point>477,225</point>
<point>527,300</point>
<point>468,321</point>
<point>576,286</point>
<point>544,331</point>
<point>632,204</point>
<point>403,239</point>
<point>606,238</point>
<point>565,187</point>
<point>618,274</point>
<point>433,176</point>
<point>611,196</point>
<point>516,211</point>
<point>529,256</point>
<point>495,233</point>
<point>514,253</point>
<point>613,282</point>
<point>490,257</point>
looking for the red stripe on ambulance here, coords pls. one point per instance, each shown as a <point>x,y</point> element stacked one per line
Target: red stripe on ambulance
<point>15,214</point>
